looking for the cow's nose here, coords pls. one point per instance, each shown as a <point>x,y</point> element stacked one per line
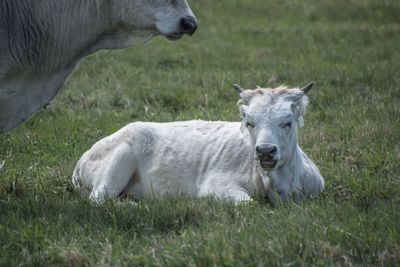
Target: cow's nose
<point>189,25</point>
<point>266,150</point>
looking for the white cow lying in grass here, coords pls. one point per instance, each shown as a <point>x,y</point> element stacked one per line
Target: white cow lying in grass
<point>202,158</point>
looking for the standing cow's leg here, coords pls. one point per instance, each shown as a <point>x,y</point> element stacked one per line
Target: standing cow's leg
<point>120,167</point>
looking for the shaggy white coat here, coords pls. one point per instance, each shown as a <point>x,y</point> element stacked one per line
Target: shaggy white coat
<point>200,158</point>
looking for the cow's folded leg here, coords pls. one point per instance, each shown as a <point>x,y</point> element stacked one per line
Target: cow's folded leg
<point>239,196</point>
<point>119,170</point>
<point>99,195</point>
<point>227,192</point>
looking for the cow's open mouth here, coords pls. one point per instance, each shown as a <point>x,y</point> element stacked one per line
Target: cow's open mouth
<point>267,164</point>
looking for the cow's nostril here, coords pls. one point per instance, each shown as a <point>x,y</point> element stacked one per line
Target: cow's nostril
<point>266,150</point>
<point>273,151</point>
<point>188,25</point>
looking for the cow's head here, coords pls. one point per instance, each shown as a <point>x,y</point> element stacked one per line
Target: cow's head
<point>171,18</point>
<point>271,116</point>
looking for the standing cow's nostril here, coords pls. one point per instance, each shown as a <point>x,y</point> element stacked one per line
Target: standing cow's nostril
<point>189,25</point>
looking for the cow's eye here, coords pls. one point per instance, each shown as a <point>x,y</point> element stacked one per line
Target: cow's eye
<point>287,125</point>
<point>249,125</point>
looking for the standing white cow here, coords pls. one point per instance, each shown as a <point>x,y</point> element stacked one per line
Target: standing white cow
<point>199,158</point>
<point>42,41</point>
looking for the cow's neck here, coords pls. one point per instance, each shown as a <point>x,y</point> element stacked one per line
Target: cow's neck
<point>286,179</point>
<point>80,28</point>
<point>75,28</point>
<point>69,31</point>
<point>110,32</point>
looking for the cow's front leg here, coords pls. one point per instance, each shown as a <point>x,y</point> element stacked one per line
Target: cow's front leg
<point>239,196</point>
<point>223,189</point>
<point>227,194</point>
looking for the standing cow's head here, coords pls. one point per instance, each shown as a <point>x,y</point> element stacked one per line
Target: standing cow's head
<point>271,116</point>
<point>171,18</point>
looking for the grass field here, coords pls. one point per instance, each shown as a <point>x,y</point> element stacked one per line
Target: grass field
<point>350,48</point>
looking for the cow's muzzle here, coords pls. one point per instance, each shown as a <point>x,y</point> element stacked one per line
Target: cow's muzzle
<point>188,25</point>
<point>266,154</point>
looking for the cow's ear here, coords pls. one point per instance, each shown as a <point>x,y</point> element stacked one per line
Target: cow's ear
<point>294,95</point>
<point>244,114</point>
<point>245,95</point>
<point>299,108</point>
<point>243,110</point>
<point>300,100</point>
<point>297,94</point>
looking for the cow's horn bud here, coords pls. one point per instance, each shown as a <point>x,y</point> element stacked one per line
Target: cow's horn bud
<point>307,88</point>
<point>238,88</point>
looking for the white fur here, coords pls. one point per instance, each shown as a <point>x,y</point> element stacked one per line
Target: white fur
<point>199,158</point>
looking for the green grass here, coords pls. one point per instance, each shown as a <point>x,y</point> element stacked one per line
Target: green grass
<point>350,48</point>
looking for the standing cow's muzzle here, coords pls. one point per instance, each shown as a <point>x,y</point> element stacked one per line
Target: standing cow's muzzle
<point>188,25</point>
<point>267,154</point>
